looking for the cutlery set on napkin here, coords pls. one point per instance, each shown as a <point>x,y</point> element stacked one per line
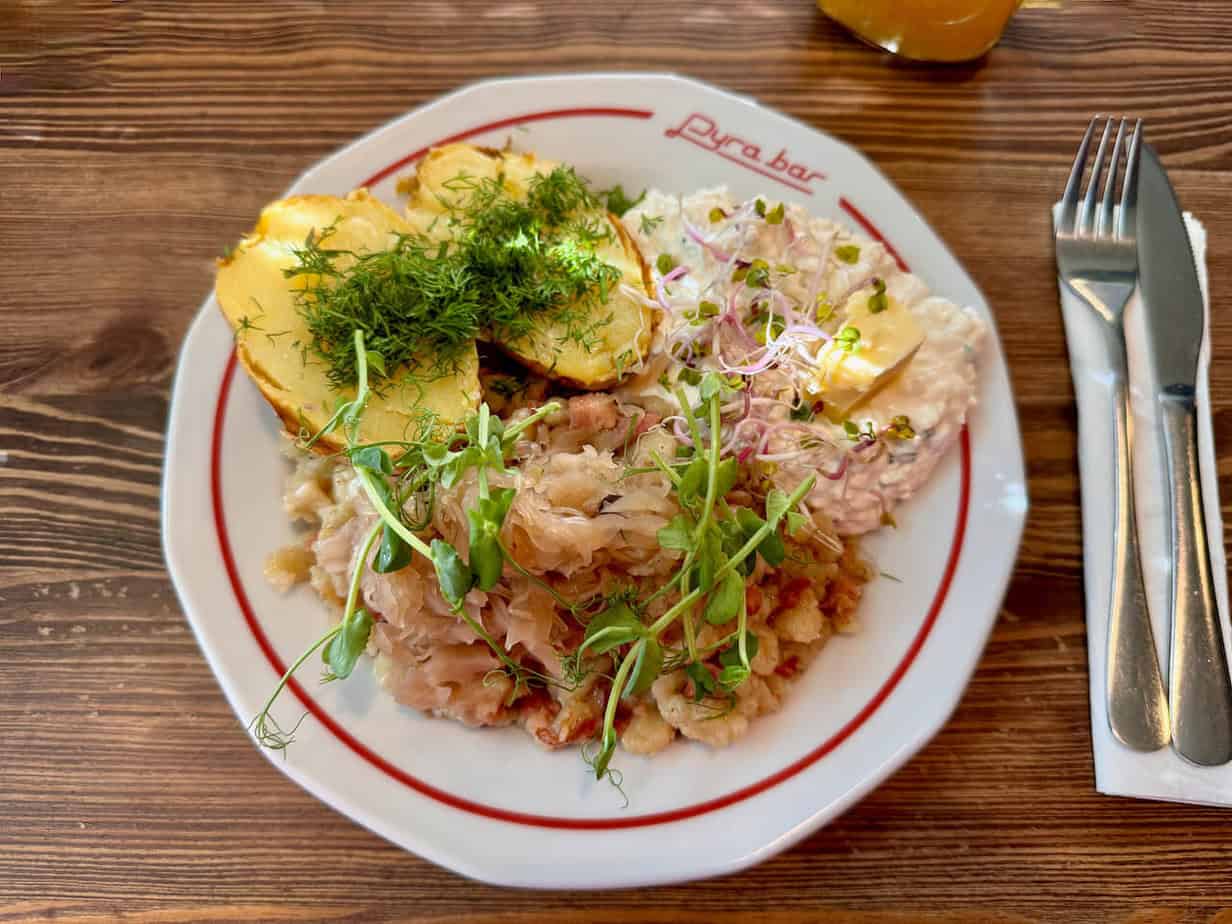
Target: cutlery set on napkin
<point>1134,303</point>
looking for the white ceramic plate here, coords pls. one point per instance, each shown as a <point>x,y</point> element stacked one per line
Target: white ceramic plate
<point>490,804</point>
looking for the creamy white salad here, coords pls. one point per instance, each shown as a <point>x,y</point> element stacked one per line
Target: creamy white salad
<point>855,372</point>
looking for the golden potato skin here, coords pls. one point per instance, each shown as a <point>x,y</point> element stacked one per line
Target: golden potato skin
<point>620,345</point>
<point>259,302</point>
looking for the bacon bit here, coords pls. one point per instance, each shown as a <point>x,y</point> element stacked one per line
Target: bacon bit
<point>593,412</point>
<point>645,422</point>
<point>538,700</point>
<point>842,595</point>
<point>548,738</point>
<point>582,731</point>
<point>792,593</point>
<point>753,599</point>
<point>788,668</point>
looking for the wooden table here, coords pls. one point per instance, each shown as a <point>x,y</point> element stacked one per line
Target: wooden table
<point>137,138</point>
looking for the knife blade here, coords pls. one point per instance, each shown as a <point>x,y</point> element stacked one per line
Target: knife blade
<point>1200,690</point>
<point>1176,315</point>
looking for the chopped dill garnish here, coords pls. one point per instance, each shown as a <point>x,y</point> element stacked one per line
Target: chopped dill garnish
<point>617,202</point>
<point>649,223</point>
<point>510,269</point>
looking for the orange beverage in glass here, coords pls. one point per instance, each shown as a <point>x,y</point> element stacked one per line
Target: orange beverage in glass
<point>927,30</point>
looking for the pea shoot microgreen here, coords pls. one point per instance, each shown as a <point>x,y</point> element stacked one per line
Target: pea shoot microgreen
<point>340,645</point>
<point>717,544</point>
<point>422,465</point>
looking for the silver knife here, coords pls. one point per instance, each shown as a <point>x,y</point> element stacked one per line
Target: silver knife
<point>1200,691</point>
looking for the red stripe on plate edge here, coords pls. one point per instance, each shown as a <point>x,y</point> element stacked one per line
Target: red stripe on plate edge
<point>547,821</point>
<point>508,123</point>
<point>847,206</point>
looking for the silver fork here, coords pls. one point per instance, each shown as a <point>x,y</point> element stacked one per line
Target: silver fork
<point>1097,254</point>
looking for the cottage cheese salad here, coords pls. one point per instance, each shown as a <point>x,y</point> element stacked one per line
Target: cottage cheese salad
<point>855,373</point>
<point>592,467</point>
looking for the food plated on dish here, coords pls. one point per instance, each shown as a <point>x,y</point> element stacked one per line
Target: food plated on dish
<point>484,801</point>
<point>592,467</point>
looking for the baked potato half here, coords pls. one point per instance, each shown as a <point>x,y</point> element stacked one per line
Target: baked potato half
<point>259,301</point>
<point>622,325</point>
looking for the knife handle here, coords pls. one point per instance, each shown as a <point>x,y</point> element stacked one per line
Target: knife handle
<point>1200,689</point>
<point>1137,710</point>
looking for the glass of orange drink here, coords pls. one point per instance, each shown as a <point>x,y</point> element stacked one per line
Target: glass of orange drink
<point>926,30</point>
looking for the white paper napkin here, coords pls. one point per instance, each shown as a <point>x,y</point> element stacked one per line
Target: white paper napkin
<point>1119,770</point>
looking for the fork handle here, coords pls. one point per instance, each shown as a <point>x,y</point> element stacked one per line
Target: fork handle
<point>1137,710</point>
<point>1200,689</point>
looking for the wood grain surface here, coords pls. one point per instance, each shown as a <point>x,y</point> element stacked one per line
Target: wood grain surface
<point>137,138</point>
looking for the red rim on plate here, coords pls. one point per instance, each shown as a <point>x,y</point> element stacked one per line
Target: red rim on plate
<point>548,821</point>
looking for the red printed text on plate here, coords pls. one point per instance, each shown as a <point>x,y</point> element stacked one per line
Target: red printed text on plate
<point>782,167</point>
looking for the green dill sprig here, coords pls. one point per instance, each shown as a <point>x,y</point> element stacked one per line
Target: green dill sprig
<point>617,201</point>
<point>509,268</point>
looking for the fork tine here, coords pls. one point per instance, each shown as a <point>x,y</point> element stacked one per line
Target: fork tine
<point>1069,201</point>
<point>1086,223</point>
<point>1107,207</point>
<point>1127,229</point>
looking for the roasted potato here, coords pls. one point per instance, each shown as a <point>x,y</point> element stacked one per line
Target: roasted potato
<point>444,178</point>
<point>259,302</point>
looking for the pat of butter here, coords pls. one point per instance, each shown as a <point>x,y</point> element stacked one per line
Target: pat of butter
<point>888,340</point>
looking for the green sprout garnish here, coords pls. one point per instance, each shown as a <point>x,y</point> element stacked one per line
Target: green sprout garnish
<point>824,309</point>
<point>848,339</point>
<point>717,544</point>
<point>860,434</point>
<point>878,302</point>
<point>422,466</point>
<point>900,428</point>
<point>847,253</point>
<point>756,275</point>
<point>802,411</point>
